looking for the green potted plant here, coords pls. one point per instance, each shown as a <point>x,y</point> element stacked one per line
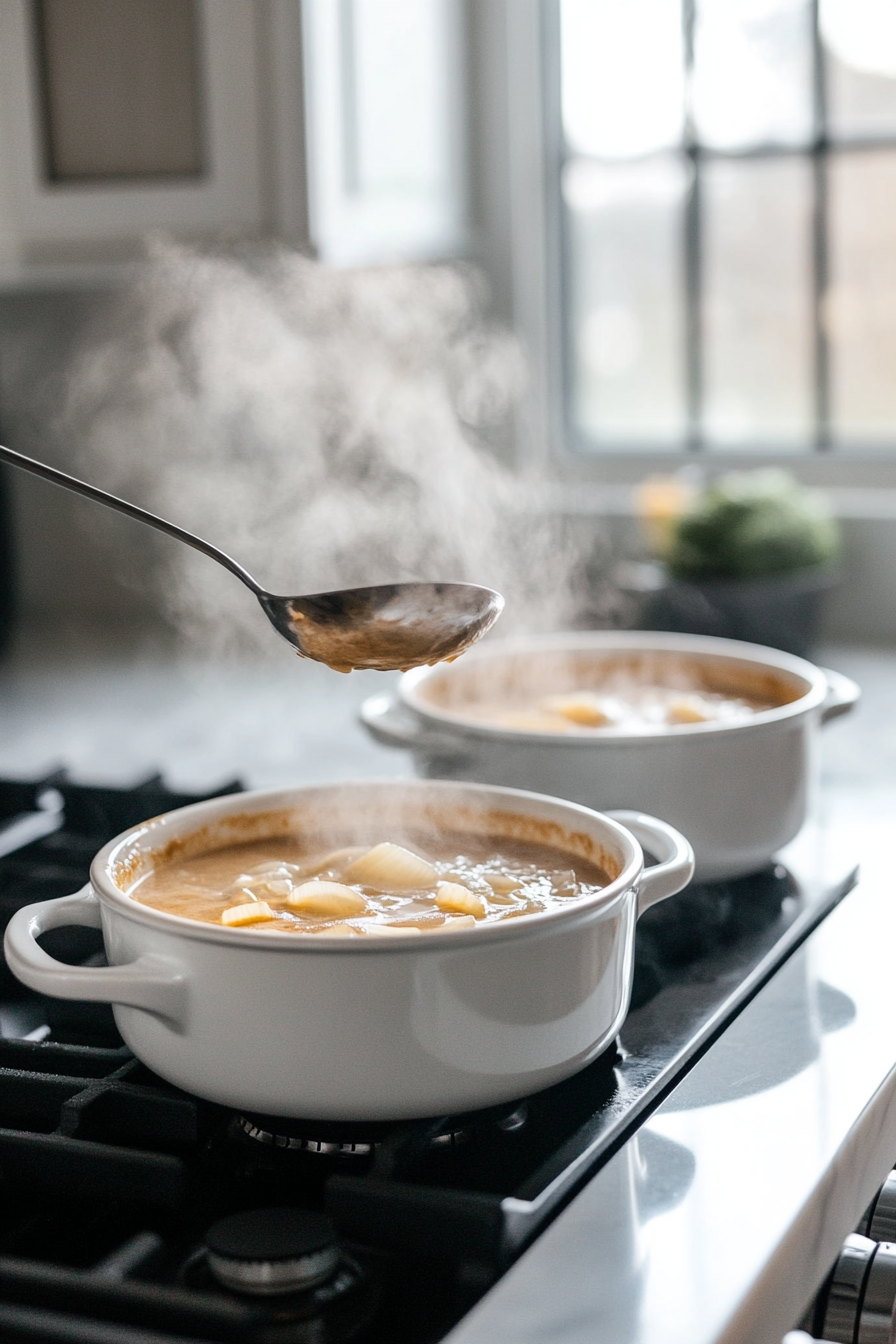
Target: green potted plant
<point>750,556</point>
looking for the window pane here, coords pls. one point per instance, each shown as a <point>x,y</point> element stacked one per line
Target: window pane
<point>860,41</point>
<point>758,302</point>
<point>391,148</point>
<point>626,316</point>
<point>752,80</point>
<point>860,307</point>
<point>623,78</point>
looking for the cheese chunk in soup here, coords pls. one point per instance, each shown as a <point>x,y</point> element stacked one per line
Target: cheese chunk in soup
<point>380,890</point>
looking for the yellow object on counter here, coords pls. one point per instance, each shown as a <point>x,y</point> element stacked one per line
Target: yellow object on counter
<point>659,501</point>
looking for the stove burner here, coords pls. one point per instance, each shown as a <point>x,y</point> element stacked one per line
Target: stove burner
<point>515,1120</point>
<point>268,1251</point>
<point>302,1143</point>
<point>452,1138</point>
<point>455,1137</point>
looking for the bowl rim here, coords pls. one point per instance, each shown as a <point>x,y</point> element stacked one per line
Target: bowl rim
<point>621,640</point>
<point>169,825</point>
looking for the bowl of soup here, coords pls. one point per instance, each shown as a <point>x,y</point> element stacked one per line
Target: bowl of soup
<point>717,736</point>
<point>364,951</point>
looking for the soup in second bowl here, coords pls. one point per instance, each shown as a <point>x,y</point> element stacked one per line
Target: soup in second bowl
<point>637,692</point>
<point>635,709</point>
<point>379,890</point>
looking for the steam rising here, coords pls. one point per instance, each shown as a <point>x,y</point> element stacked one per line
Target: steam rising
<point>327,428</point>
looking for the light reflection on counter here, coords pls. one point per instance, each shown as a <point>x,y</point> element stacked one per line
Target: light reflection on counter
<point>761,1157</point>
<point>784,1165</point>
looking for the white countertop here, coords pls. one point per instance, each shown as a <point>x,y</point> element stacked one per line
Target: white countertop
<point>114,706</point>
<point>719,1220</point>
<point>113,709</point>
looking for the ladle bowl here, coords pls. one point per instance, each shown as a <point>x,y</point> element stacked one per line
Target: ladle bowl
<point>389,626</point>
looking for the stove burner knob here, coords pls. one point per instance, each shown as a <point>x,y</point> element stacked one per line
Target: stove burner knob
<point>876,1320</point>
<point>267,1251</point>
<point>861,1298</point>
<point>882,1221</point>
<point>845,1293</point>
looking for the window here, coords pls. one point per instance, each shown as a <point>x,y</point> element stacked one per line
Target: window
<point>384,95</point>
<point>726,172</point>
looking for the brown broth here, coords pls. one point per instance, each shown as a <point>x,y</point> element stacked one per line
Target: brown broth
<point>642,709</point>
<point>633,691</point>
<point>487,881</point>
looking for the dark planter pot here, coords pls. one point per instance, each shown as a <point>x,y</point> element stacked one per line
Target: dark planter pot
<point>782,611</point>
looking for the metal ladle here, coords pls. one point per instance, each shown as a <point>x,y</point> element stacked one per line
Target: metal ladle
<point>395,625</point>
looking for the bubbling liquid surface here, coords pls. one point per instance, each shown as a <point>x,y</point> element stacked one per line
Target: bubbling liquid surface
<point>392,888</point>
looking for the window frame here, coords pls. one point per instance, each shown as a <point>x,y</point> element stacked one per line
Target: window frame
<point>520,244</point>
<point>350,224</point>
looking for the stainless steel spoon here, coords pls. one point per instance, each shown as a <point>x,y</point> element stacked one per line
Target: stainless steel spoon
<point>394,625</point>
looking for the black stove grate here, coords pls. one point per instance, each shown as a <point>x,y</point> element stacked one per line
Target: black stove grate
<point>109,1177</point>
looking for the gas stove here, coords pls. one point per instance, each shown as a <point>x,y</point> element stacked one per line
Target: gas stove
<point>134,1212</point>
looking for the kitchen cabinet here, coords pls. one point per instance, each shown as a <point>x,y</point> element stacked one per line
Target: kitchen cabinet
<point>333,125</point>
<point>55,219</point>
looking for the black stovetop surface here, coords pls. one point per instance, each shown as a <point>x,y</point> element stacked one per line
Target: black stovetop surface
<point>109,1177</point>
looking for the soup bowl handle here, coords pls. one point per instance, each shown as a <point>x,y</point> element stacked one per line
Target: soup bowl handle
<point>676,858</point>
<point>152,982</point>
<point>842,697</point>
<point>390,723</point>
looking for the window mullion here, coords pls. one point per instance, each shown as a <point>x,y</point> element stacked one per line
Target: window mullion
<point>692,255</point>
<point>693,303</point>
<point>820,259</point>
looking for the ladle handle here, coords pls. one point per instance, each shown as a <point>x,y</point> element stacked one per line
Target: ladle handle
<point>130,510</point>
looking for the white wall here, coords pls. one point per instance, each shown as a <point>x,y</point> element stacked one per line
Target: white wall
<point>70,555</point>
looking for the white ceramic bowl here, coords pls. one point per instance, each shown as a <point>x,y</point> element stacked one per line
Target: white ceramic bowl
<point>366,1028</point>
<point>738,790</point>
